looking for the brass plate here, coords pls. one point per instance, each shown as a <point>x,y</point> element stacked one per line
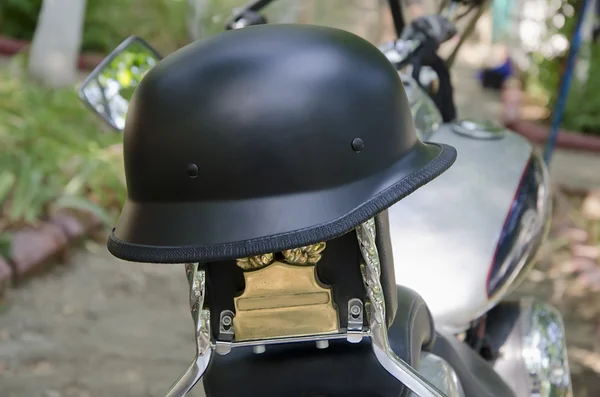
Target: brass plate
<point>283,300</point>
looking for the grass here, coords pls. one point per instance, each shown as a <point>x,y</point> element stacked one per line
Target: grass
<point>55,153</point>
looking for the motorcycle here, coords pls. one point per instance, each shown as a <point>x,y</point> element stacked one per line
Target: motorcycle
<point>475,228</point>
<point>494,214</point>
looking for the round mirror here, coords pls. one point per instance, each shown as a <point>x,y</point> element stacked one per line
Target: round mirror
<point>109,88</point>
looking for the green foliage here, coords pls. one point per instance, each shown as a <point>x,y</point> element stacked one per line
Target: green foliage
<point>108,22</point>
<point>5,243</point>
<point>161,22</point>
<point>545,75</point>
<point>54,154</point>
<point>582,112</point>
<point>19,17</point>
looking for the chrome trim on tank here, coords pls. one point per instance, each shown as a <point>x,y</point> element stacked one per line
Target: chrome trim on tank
<point>534,227</point>
<point>545,350</point>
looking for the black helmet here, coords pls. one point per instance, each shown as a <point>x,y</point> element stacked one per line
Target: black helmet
<point>262,139</point>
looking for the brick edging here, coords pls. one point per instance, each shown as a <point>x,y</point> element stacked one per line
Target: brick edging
<point>35,249</point>
<point>566,139</point>
<point>539,133</point>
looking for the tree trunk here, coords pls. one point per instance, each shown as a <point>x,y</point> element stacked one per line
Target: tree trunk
<point>57,41</point>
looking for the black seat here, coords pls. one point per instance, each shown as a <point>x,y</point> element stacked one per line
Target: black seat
<point>341,370</point>
<point>345,370</point>
<point>476,375</point>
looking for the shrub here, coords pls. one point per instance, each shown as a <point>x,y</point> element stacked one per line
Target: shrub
<point>583,105</point>
<point>581,112</point>
<point>108,22</point>
<point>54,154</point>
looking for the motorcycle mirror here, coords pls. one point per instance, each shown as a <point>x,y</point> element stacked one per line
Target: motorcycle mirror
<point>107,91</point>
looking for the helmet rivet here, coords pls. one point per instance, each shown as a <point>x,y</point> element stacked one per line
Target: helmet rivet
<point>358,145</point>
<point>192,170</point>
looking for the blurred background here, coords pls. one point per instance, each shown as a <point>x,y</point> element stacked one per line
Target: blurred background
<point>75,322</point>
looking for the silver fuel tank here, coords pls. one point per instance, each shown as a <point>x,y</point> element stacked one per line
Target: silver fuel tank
<point>467,238</point>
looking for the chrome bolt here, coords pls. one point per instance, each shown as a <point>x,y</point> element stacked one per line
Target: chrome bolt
<point>322,344</point>
<point>355,310</point>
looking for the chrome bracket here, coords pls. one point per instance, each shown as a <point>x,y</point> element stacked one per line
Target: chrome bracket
<point>201,317</point>
<point>224,347</point>
<point>355,321</point>
<point>226,326</point>
<point>371,272</point>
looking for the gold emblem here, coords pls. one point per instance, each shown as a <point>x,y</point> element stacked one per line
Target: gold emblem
<point>284,299</point>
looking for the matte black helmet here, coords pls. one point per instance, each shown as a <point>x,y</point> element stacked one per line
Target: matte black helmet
<point>262,139</point>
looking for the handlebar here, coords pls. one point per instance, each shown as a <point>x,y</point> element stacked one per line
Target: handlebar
<point>434,28</point>
<point>418,47</point>
<point>423,35</point>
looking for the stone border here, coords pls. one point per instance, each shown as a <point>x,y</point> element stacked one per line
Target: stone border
<point>34,249</point>
<point>10,46</point>
<point>566,139</point>
<point>539,133</point>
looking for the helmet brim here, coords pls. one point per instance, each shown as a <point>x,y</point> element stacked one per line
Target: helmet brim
<point>189,232</point>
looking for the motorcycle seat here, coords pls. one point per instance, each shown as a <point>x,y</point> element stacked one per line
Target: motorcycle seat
<point>477,377</point>
<point>345,370</point>
<point>341,370</point>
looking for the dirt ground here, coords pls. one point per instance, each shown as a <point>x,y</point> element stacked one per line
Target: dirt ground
<point>99,327</point>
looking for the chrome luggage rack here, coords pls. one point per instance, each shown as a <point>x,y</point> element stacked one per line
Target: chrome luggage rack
<point>376,331</point>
